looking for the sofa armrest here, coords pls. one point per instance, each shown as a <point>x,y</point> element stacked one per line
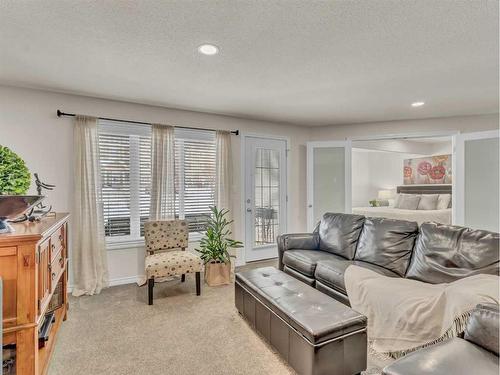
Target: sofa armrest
<point>483,325</point>
<point>306,241</point>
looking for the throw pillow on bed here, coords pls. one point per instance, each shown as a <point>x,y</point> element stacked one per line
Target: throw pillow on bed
<point>408,201</point>
<point>444,201</point>
<point>428,202</point>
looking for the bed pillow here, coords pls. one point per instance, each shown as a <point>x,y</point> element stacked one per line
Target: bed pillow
<point>443,202</point>
<point>428,202</point>
<point>408,201</point>
<point>396,200</point>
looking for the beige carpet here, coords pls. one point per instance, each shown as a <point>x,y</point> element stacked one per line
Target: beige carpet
<point>116,333</point>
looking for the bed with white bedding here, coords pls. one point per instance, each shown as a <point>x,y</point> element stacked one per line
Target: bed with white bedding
<point>420,216</point>
<point>423,210</point>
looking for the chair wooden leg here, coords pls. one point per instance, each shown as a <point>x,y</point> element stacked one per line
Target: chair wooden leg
<point>183,278</point>
<point>198,284</point>
<point>151,284</point>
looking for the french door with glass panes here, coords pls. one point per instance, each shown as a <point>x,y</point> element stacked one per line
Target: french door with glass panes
<point>265,196</point>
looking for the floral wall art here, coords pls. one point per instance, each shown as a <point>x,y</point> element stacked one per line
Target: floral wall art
<point>428,170</point>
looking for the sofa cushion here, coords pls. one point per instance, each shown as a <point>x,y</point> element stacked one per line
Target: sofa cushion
<point>387,243</point>
<point>445,253</point>
<point>454,356</point>
<point>483,327</point>
<point>304,261</point>
<point>339,233</point>
<point>331,272</point>
<point>300,276</point>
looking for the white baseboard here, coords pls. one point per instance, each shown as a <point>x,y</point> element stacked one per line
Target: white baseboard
<point>117,281</point>
<point>124,280</point>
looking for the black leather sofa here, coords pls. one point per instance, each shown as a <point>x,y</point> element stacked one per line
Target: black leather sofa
<point>434,253</point>
<point>476,353</point>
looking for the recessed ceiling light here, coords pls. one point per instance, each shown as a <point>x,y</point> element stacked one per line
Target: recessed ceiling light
<point>208,49</point>
<point>417,104</point>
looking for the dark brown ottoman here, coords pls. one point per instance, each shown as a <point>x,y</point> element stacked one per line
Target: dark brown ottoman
<point>314,333</point>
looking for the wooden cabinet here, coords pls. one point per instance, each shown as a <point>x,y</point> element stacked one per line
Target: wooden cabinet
<point>33,261</point>
<point>43,256</point>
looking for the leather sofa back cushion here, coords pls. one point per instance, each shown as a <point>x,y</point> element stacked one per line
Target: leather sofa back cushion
<point>445,253</point>
<point>387,243</point>
<point>339,233</point>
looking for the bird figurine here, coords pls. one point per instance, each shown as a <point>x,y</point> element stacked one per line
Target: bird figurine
<point>41,210</point>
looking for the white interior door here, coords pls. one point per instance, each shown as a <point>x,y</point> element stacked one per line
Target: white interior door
<point>328,179</point>
<point>477,180</point>
<point>265,196</point>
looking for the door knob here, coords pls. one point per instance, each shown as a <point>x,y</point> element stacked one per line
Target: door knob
<point>249,210</point>
<point>310,206</point>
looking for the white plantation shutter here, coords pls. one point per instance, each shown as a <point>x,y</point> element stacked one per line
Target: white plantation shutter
<point>125,164</point>
<point>114,157</point>
<point>145,180</point>
<point>195,175</point>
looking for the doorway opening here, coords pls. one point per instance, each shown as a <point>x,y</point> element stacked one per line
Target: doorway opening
<point>408,178</point>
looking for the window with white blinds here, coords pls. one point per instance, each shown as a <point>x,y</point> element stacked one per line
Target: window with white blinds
<point>125,164</point>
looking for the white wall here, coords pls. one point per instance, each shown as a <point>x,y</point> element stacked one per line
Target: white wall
<point>29,125</point>
<point>373,171</point>
<point>463,124</point>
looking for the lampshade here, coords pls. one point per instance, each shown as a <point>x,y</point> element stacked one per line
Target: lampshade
<point>385,194</point>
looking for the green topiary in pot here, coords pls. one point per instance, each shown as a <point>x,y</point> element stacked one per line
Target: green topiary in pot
<point>15,178</point>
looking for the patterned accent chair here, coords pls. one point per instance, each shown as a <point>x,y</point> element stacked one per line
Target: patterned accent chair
<point>166,241</point>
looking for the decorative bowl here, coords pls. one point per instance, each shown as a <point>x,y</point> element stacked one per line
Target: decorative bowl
<point>13,206</point>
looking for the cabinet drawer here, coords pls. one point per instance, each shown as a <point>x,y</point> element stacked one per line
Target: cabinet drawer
<point>56,267</point>
<point>57,242</point>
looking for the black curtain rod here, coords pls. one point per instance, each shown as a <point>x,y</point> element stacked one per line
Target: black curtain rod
<point>60,113</point>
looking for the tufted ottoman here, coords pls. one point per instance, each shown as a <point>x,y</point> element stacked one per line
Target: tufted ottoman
<point>314,333</point>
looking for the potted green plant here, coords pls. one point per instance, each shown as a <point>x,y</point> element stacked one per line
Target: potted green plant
<point>15,178</point>
<point>214,248</point>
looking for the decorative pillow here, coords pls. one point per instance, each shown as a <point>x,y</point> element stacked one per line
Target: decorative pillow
<point>428,202</point>
<point>392,202</point>
<point>382,202</point>
<point>444,201</point>
<point>408,201</point>
<point>396,200</point>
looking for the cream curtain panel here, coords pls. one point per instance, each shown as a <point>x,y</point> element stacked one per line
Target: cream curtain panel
<point>162,205</point>
<point>223,179</point>
<point>88,255</point>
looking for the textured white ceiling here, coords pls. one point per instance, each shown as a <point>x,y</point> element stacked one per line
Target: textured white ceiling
<point>304,62</point>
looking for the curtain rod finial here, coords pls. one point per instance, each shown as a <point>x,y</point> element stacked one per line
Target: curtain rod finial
<point>59,113</point>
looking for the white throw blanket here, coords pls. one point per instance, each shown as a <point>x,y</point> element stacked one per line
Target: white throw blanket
<point>405,315</point>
